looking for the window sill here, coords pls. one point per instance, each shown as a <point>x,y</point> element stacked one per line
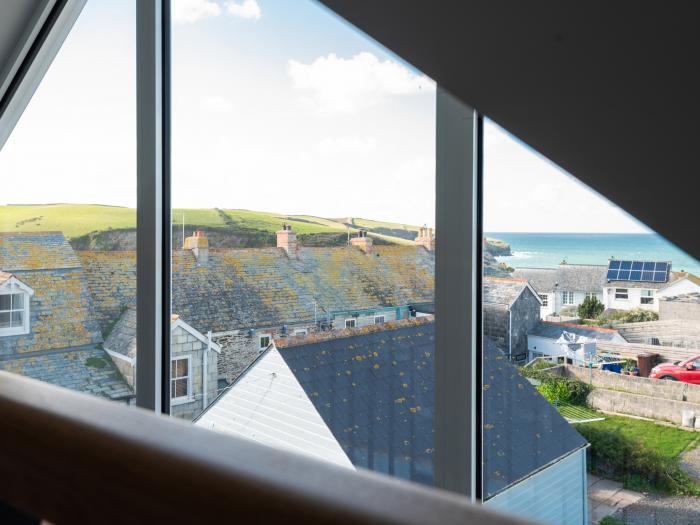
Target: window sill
<point>8,332</point>
<point>181,400</point>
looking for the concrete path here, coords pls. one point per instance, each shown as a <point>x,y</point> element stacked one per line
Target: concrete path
<point>660,510</point>
<point>606,497</point>
<point>690,462</point>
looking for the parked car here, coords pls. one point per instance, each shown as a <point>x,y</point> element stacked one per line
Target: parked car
<point>687,371</point>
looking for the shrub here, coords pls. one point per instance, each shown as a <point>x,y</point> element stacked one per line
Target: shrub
<point>559,389</point>
<point>590,308</point>
<point>640,467</point>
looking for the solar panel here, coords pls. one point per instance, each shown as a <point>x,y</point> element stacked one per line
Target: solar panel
<point>639,271</point>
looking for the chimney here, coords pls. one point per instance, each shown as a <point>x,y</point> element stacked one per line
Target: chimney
<point>363,242</point>
<point>426,239</point>
<point>199,244</point>
<point>287,240</point>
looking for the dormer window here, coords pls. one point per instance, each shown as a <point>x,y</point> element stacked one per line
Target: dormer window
<point>14,305</point>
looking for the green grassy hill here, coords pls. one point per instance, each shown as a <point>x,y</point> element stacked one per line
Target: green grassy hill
<point>76,220</point>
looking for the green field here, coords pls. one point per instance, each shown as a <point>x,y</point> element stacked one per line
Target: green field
<point>75,220</point>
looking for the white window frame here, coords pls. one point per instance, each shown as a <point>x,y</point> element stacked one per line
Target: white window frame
<point>188,398</point>
<point>567,298</point>
<point>379,319</point>
<point>352,323</point>
<point>591,295</point>
<point>13,287</point>
<point>267,336</point>
<point>651,295</point>
<point>544,298</point>
<point>619,292</point>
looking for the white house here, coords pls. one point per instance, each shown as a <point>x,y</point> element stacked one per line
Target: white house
<point>685,283</point>
<point>568,285</point>
<point>574,343</point>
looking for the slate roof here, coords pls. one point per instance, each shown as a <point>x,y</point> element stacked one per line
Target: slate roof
<point>4,276</point>
<point>566,277</point>
<point>86,369</point>
<point>502,290</point>
<point>552,330</point>
<point>374,387</point>
<point>692,297</point>
<point>36,251</point>
<point>122,338</point>
<point>256,287</point>
<point>672,278</point>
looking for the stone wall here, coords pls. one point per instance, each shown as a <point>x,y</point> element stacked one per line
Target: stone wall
<point>677,310</point>
<point>638,405</point>
<point>525,314</point>
<point>496,324</point>
<point>657,388</point>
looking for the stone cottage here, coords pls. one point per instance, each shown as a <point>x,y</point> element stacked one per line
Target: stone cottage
<point>47,326</point>
<point>511,310</point>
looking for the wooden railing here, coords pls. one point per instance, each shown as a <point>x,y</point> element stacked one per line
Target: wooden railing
<point>70,458</point>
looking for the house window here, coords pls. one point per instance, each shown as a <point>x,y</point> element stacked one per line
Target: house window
<point>590,295</point>
<point>567,297</point>
<point>301,331</point>
<point>180,379</point>
<point>14,314</point>
<point>378,319</point>
<point>647,297</point>
<point>621,293</point>
<point>264,341</point>
<point>350,323</point>
<point>544,298</point>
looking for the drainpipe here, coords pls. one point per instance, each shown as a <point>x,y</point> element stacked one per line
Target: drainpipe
<point>510,334</point>
<point>205,372</point>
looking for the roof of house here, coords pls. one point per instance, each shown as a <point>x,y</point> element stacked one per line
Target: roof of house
<point>552,330</point>
<point>4,276</point>
<point>84,369</point>
<point>122,338</point>
<point>36,251</point>
<point>504,290</point>
<point>566,277</point>
<point>692,297</point>
<point>374,388</point>
<point>679,276</point>
<point>672,278</point>
<point>256,287</point>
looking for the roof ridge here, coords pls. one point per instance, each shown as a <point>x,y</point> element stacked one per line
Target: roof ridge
<point>345,333</point>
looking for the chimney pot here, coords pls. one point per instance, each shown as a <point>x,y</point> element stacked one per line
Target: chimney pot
<point>199,245</point>
<point>287,240</point>
<point>363,242</point>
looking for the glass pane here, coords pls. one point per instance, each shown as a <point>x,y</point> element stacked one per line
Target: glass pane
<point>304,194</point>
<point>5,302</point>
<point>600,362</point>
<point>75,145</point>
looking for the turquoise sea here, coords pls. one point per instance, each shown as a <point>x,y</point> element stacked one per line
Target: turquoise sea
<point>546,250</point>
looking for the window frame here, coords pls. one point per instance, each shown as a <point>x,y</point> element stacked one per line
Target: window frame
<point>544,298</point>
<point>567,298</point>
<point>25,310</point>
<point>262,336</point>
<point>382,317</point>
<point>351,320</point>
<point>188,397</point>
<point>651,296</point>
<point>619,294</point>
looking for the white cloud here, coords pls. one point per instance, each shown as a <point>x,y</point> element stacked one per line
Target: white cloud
<point>346,145</point>
<point>247,9</point>
<point>190,11</point>
<point>218,104</point>
<point>337,85</point>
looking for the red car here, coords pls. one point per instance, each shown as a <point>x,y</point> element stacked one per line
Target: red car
<point>687,371</point>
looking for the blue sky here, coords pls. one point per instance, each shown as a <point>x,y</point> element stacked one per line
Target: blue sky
<point>277,105</point>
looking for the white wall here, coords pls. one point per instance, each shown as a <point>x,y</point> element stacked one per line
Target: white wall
<point>679,287</point>
<point>578,299</point>
<point>550,308</point>
<point>634,296</point>
<point>556,495</point>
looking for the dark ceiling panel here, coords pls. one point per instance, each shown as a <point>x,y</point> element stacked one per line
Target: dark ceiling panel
<point>607,90</point>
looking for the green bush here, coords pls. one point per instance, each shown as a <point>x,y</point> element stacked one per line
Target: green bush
<point>590,308</point>
<point>636,315</point>
<point>621,457</point>
<point>559,389</point>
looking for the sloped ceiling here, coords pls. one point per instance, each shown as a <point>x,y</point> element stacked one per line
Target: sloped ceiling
<point>609,91</point>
